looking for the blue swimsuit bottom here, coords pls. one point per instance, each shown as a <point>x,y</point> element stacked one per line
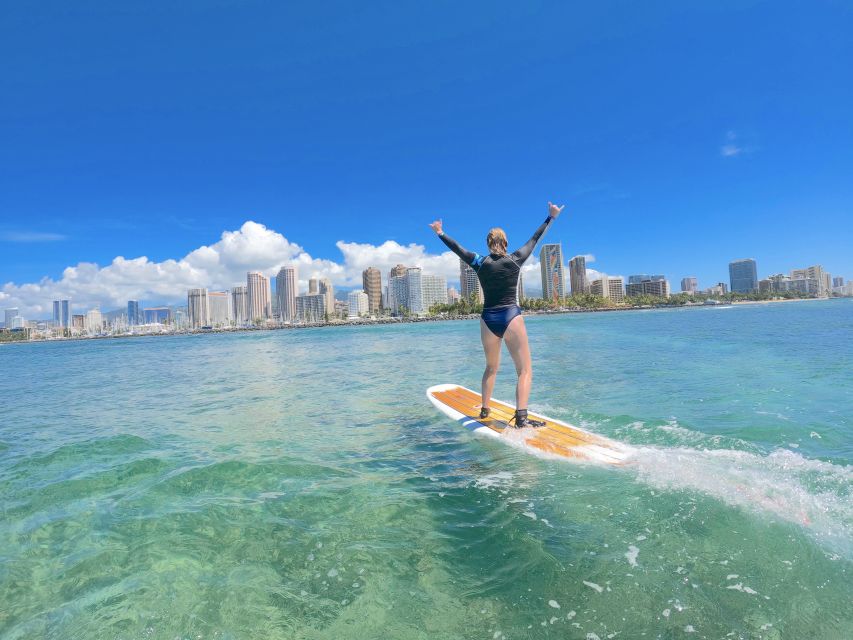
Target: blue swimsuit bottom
<point>497,319</point>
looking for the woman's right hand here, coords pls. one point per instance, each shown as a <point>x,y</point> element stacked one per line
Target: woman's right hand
<point>554,210</point>
<point>436,226</point>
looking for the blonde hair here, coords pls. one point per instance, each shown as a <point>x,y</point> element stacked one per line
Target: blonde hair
<point>497,241</point>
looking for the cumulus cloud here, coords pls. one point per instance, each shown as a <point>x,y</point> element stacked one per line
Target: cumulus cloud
<point>221,265</point>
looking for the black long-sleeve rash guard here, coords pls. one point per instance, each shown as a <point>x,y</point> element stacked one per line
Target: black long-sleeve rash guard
<point>498,274</point>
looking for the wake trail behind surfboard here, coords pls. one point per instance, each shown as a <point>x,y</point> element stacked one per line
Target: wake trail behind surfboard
<point>811,493</point>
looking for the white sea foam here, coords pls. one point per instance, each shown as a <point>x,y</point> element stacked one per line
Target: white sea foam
<point>632,554</point>
<point>499,479</point>
<point>592,585</point>
<point>785,484</point>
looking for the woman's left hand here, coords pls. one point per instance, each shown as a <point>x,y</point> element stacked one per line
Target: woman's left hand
<point>554,210</point>
<point>436,226</point>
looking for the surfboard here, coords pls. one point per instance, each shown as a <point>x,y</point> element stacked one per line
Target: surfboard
<point>556,437</point>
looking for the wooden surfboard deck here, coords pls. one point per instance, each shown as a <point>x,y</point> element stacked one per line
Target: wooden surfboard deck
<point>556,438</point>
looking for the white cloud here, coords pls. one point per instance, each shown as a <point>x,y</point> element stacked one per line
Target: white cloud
<point>734,146</point>
<point>217,266</point>
<point>30,236</point>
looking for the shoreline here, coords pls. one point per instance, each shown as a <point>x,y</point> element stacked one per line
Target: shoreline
<point>393,321</point>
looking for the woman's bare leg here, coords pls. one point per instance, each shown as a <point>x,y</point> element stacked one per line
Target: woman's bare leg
<point>516,342</point>
<point>492,349</point>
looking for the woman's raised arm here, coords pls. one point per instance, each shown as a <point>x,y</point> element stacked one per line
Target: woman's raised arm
<point>467,256</point>
<point>523,253</point>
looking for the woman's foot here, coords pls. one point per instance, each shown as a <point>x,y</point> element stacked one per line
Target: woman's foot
<point>484,413</point>
<point>522,421</point>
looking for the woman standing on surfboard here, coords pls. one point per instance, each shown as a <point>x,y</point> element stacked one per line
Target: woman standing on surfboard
<point>498,273</point>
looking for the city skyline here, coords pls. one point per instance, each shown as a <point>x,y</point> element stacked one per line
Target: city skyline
<point>570,269</point>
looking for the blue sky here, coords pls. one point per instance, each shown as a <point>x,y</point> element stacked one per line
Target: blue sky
<point>679,135</point>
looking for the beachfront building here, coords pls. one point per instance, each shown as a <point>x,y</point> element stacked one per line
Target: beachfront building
<point>198,310</point>
<point>313,286</point>
<point>9,316</point>
<point>469,283</point>
<point>93,323</point>
<point>398,296</point>
<point>62,313</point>
<point>452,295</point>
<point>77,321</point>
<point>837,282</point>
<point>258,296</point>
<point>240,304</point>
<point>326,288</point>
<point>358,303</point>
<point>156,315</point>
<point>414,290</point>
<point>134,313</point>
<point>689,285</point>
<point>286,285</point>
<point>311,307</point>
<point>781,283</point>
<point>218,303</point>
<point>824,280</point>
<point>655,285</point>
<point>553,278</point>
<point>434,291</point>
<point>371,281</point>
<point>845,289</point>
<point>719,289</point>
<point>520,292</point>
<point>609,288</point>
<point>577,275</point>
<point>743,276</point>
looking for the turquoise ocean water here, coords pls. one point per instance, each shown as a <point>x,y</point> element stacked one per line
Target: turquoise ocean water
<point>298,484</point>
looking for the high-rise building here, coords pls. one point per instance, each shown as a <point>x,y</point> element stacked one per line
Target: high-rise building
<point>311,307</point>
<point>62,313</point>
<point>577,275</point>
<point>240,304</point>
<point>414,290</point>
<point>838,281</point>
<point>371,280</point>
<point>286,285</point>
<point>607,287</point>
<point>156,315</point>
<point>218,302</point>
<point>258,296</point>
<point>469,283</point>
<point>134,313</point>
<point>313,286</point>
<point>520,293</point>
<point>689,285</point>
<point>553,278</point>
<point>358,304</point>
<point>452,295</point>
<point>77,321</point>
<point>94,322</point>
<point>398,292</point>
<point>649,285</point>
<point>434,290</point>
<point>9,315</point>
<point>743,276</point>
<point>816,272</point>
<point>198,309</point>
<point>328,290</point>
